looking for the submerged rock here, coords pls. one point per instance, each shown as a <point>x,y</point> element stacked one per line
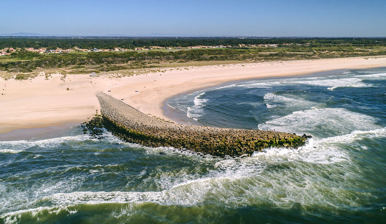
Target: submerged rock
<point>94,127</point>
<point>134,126</point>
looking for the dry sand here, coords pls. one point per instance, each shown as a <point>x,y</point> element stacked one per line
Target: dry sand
<point>41,103</point>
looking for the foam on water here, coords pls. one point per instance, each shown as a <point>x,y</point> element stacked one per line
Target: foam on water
<point>257,84</point>
<point>196,110</point>
<point>373,76</point>
<point>332,82</point>
<point>186,192</point>
<point>320,151</point>
<point>223,182</point>
<point>271,100</point>
<point>321,122</point>
<point>348,79</point>
<point>234,182</point>
<point>171,151</point>
<point>23,199</point>
<point>324,173</point>
<point>24,144</point>
<point>224,179</point>
<point>314,151</point>
<point>21,145</point>
<point>12,151</point>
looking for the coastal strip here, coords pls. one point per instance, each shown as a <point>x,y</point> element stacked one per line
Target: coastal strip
<point>132,125</point>
<point>56,99</point>
<point>149,92</point>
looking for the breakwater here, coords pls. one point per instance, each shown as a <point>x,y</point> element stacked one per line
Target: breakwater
<point>134,126</point>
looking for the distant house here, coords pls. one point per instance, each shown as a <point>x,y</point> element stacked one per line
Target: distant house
<point>42,50</point>
<point>156,47</point>
<point>196,47</point>
<point>68,50</point>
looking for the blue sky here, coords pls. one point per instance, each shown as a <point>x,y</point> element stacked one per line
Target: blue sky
<point>328,18</point>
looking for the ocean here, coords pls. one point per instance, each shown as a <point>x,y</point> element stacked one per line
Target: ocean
<point>337,177</point>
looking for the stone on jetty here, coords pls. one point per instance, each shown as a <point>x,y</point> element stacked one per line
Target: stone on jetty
<point>134,126</point>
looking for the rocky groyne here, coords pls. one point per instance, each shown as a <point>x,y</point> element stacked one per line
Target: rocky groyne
<point>134,126</point>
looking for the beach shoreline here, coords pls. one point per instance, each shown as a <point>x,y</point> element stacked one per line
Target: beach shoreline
<point>179,116</point>
<point>41,102</point>
<point>310,67</point>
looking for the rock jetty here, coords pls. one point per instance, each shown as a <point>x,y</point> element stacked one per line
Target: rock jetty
<point>134,126</point>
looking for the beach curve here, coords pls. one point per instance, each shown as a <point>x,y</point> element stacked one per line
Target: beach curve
<point>43,102</point>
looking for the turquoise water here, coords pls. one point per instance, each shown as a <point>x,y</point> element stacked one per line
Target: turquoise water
<point>337,177</point>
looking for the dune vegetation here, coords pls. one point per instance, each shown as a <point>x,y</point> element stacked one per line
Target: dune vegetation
<point>128,56</point>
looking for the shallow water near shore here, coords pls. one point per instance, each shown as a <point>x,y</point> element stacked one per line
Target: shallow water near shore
<point>337,177</point>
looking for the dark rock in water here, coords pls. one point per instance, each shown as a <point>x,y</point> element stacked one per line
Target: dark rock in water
<point>306,136</point>
<point>94,127</point>
<point>132,125</point>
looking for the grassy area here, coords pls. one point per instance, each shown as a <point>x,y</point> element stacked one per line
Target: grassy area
<point>135,62</point>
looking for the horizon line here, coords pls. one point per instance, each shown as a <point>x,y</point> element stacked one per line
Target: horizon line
<point>31,35</point>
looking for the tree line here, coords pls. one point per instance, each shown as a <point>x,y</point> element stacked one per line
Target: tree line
<point>25,61</point>
<point>130,43</point>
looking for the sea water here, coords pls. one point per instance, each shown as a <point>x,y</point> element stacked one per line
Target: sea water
<point>337,177</point>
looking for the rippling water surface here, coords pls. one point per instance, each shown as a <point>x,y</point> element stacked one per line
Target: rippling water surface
<point>337,177</point>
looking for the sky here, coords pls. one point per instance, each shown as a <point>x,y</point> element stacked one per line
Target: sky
<point>269,18</point>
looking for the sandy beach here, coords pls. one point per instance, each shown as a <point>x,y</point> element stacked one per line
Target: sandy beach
<point>43,102</point>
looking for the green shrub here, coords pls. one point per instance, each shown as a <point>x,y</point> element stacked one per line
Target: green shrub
<point>21,77</point>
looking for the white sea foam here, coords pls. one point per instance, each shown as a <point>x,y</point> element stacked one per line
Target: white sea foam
<point>223,185</point>
<point>23,199</point>
<point>269,106</point>
<point>331,82</point>
<point>13,217</point>
<point>11,151</point>
<point>333,120</point>
<point>373,76</point>
<point>334,83</point>
<point>314,152</point>
<point>232,176</point>
<point>271,100</point>
<point>197,109</point>
<point>259,84</point>
<point>227,86</point>
<point>320,151</point>
<point>354,136</point>
<point>219,181</point>
<point>23,144</point>
<point>186,192</point>
<point>238,181</point>
<point>171,151</point>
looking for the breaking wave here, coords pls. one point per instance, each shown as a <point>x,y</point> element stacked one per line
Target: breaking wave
<point>197,109</point>
<point>336,173</point>
<point>321,122</point>
<point>272,100</point>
